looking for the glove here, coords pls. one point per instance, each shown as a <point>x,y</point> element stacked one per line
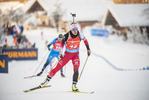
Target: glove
<point>49,47</point>
<point>60,56</point>
<point>39,73</point>
<point>88,52</point>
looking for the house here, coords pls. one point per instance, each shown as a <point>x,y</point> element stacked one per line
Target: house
<point>5,9</point>
<point>88,12</point>
<point>40,9</point>
<point>123,16</point>
<point>4,6</point>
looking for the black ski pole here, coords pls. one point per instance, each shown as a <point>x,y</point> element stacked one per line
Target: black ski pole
<point>41,62</point>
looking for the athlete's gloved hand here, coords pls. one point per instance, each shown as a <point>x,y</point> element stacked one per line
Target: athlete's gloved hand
<point>88,52</point>
<point>60,56</point>
<point>49,46</point>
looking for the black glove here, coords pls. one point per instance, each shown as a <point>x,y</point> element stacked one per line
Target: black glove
<point>60,56</point>
<point>88,52</point>
<point>49,47</point>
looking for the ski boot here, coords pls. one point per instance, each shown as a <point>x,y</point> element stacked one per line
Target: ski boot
<point>74,88</point>
<point>39,73</point>
<point>62,75</point>
<point>46,81</point>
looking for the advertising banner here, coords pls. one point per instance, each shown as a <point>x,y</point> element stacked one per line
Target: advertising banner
<point>21,54</point>
<point>3,63</point>
<point>99,32</point>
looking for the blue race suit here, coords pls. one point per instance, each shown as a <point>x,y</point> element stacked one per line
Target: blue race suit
<point>54,53</point>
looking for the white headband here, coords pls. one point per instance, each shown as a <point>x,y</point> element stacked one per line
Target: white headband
<point>73,25</point>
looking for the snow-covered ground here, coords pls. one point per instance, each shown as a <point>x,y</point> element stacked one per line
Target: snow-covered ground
<point>114,71</point>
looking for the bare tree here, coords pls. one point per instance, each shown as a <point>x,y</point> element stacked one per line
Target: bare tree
<point>57,14</point>
<point>146,13</point>
<point>14,16</point>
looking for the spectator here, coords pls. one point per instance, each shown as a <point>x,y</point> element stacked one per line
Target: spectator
<point>15,41</point>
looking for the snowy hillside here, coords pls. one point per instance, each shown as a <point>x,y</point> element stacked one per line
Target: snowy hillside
<point>116,70</point>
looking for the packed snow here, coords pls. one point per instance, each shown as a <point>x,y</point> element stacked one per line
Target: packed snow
<point>101,73</point>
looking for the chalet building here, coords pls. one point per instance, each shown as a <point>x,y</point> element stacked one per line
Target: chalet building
<point>88,13</point>
<point>40,10</point>
<point>123,16</point>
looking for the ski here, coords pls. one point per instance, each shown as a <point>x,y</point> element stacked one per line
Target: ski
<point>36,88</point>
<point>81,92</point>
<point>30,76</point>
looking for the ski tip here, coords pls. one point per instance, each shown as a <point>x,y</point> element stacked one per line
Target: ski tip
<point>91,92</point>
<point>25,77</point>
<point>25,91</point>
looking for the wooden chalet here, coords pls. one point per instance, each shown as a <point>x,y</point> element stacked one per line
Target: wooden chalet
<point>123,16</point>
<point>40,10</point>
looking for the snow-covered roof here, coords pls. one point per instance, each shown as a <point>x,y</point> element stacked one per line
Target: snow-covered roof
<point>86,10</point>
<point>43,3</point>
<point>10,5</point>
<point>27,6</point>
<point>129,14</point>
